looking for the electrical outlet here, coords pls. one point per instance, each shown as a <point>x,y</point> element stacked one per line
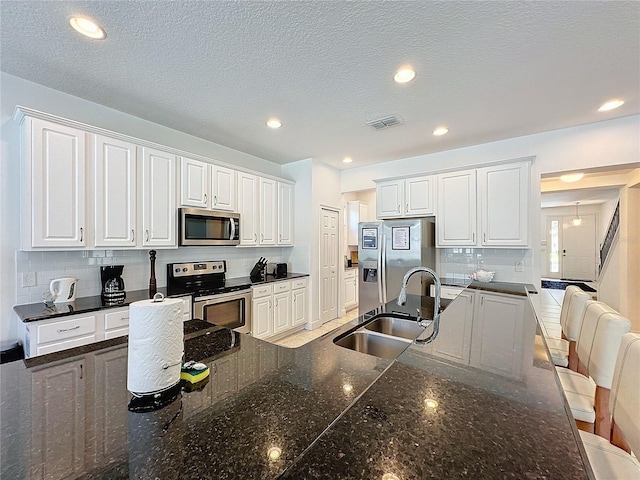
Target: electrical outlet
<point>29,279</point>
<point>519,266</point>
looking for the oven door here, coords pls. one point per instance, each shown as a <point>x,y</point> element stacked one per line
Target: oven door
<point>230,310</point>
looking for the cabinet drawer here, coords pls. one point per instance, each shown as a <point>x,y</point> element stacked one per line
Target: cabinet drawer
<point>73,327</point>
<point>118,319</point>
<point>262,291</point>
<point>299,283</point>
<point>349,273</point>
<point>118,332</point>
<point>281,287</point>
<point>64,345</point>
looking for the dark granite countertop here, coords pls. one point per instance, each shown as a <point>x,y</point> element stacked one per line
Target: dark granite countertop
<point>317,411</point>
<point>509,288</point>
<point>41,311</point>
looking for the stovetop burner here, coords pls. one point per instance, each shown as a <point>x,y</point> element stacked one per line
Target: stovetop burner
<point>201,279</point>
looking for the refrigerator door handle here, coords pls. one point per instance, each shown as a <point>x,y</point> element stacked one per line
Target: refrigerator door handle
<point>383,269</point>
<point>380,276</point>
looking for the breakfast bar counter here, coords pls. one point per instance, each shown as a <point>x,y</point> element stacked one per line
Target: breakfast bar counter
<point>317,411</point>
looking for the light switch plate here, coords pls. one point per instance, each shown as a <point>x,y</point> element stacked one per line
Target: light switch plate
<point>519,267</point>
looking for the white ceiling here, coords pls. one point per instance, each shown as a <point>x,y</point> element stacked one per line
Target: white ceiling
<point>219,69</point>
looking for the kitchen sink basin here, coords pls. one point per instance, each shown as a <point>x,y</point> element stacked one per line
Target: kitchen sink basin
<point>396,327</point>
<point>374,344</point>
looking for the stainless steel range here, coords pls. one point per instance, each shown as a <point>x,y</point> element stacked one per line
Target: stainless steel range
<point>215,299</point>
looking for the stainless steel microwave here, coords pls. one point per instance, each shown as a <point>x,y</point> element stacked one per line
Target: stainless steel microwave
<point>208,227</point>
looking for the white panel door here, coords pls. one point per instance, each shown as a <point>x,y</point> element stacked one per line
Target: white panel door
<point>268,212</point>
<point>389,198</point>
<point>328,265</point>
<point>504,193</point>
<point>457,210</point>
<point>248,208</point>
<point>419,196</point>
<point>193,183</point>
<point>223,188</point>
<point>115,193</point>
<point>158,198</point>
<point>578,261</point>
<point>285,214</point>
<point>58,185</point>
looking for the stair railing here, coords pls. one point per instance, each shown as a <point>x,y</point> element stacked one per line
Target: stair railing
<point>610,236</point>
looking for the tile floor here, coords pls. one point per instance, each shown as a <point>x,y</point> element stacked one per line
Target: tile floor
<point>300,338</point>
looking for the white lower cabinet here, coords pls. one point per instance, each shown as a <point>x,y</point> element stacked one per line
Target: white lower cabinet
<point>497,343</point>
<point>116,323</point>
<point>454,338</point>
<point>350,289</point>
<point>278,307</point>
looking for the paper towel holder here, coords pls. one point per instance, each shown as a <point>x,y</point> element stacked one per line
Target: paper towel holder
<point>158,298</point>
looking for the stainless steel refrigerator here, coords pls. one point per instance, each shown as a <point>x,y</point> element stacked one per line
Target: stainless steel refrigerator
<point>386,251</point>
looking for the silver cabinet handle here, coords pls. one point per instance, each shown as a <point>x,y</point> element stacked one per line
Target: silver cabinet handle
<point>81,234</point>
<point>398,208</point>
<point>280,236</point>
<point>262,237</point>
<point>407,208</point>
<point>484,237</point>
<point>205,199</point>
<point>133,236</point>
<point>147,234</point>
<point>473,237</point>
<point>255,237</point>
<point>215,199</point>
<point>60,330</point>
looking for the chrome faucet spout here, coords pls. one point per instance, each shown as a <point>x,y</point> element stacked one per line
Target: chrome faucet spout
<point>402,300</point>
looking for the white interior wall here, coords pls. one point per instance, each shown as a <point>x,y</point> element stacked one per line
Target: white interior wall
<point>609,290</point>
<point>84,265</point>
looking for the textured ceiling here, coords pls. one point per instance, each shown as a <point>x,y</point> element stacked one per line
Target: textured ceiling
<point>218,70</point>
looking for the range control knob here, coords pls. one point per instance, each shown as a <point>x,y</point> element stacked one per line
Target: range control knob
<point>214,267</point>
<point>177,270</point>
<point>184,269</point>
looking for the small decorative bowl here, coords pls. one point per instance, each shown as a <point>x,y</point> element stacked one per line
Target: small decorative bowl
<point>482,276</point>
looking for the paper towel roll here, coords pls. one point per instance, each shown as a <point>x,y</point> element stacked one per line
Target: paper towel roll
<point>155,345</point>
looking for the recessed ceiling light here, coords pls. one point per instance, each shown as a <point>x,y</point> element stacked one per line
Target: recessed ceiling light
<point>274,123</point>
<point>347,160</point>
<point>87,27</point>
<point>440,131</point>
<point>571,177</point>
<point>610,105</point>
<point>404,75</point>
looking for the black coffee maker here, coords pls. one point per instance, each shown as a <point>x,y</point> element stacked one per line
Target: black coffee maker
<point>112,284</point>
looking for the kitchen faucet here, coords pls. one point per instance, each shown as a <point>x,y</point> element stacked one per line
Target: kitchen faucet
<point>402,299</point>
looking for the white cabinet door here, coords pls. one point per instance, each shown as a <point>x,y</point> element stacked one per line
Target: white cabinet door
<point>158,198</point>
<point>248,207</point>
<point>299,298</point>
<point>115,187</point>
<point>350,294</point>
<point>457,210</point>
<point>261,317</point>
<point>504,194</point>
<point>268,217</point>
<point>55,185</point>
<point>356,212</point>
<point>281,312</point>
<point>223,188</point>
<point>57,423</point>
<point>285,213</point>
<point>193,183</point>
<point>454,338</point>
<point>419,196</point>
<point>389,199</point>
<point>497,344</point>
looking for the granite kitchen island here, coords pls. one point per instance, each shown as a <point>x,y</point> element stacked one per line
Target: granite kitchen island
<point>318,411</point>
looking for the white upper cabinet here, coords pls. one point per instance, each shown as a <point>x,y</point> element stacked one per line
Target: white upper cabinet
<point>223,188</point>
<point>487,207</point>
<point>53,197</point>
<point>248,207</point>
<point>115,191</point>
<point>193,183</point>
<point>356,212</point>
<point>285,213</point>
<point>504,194</point>
<point>457,212</point>
<point>268,213</point>
<point>158,198</point>
<point>412,197</point>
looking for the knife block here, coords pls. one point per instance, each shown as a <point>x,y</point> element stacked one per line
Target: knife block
<point>258,272</point>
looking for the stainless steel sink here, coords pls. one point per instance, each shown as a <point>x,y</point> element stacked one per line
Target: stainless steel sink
<point>374,344</point>
<point>396,327</point>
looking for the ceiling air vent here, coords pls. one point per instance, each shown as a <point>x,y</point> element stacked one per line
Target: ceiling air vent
<point>385,122</point>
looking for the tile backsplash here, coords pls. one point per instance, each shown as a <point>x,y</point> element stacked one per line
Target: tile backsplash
<point>457,262</point>
<point>85,266</point>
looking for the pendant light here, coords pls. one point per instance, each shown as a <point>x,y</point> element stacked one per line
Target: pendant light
<point>577,220</point>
